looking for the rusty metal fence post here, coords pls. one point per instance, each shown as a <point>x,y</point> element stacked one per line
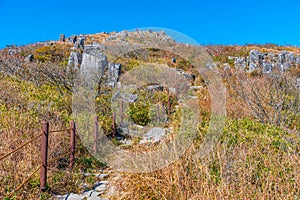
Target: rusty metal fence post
<point>157,113</point>
<point>121,111</point>
<point>169,105</point>
<point>96,135</point>
<point>72,144</point>
<point>44,155</point>
<point>114,124</point>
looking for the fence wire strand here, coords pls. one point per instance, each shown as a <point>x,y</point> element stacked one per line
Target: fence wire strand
<point>50,161</point>
<point>56,131</point>
<point>60,156</point>
<point>21,146</point>
<point>26,180</point>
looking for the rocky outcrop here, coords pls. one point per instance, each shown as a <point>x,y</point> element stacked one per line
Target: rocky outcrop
<point>94,63</point>
<point>75,60</point>
<point>62,38</point>
<point>29,58</point>
<point>155,135</point>
<point>114,71</point>
<point>298,83</point>
<point>267,61</point>
<point>123,35</point>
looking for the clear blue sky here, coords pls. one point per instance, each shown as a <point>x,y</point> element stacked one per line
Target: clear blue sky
<point>208,22</point>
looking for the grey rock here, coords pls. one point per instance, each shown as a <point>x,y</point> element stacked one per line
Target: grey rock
<point>187,75</point>
<point>226,67</point>
<point>75,60</point>
<point>154,135</point>
<point>253,56</point>
<point>282,57</point>
<point>12,51</point>
<point>252,67</point>
<point>127,142</point>
<point>267,68</point>
<point>72,39</point>
<point>94,63</point>
<point>79,43</point>
<point>129,97</point>
<point>94,194</point>
<point>240,63</point>
<point>73,196</point>
<point>96,198</point>
<point>114,71</point>
<point>62,38</point>
<point>298,83</point>
<point>61,197</point>
<point>86,194</point>
<point>151,88</point>
<point>173,90</point>
<point>101,187</point>
<point>270,56</point>
<point>284,66</point>
<point>297,60</point>
<point>29,58</point>
<point>268,61</point>
<point>102,176</point>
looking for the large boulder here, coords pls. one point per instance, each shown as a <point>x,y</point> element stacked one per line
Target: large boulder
<point>155,135</point>
<point>75,60</point>
<point>114,71</point>
<point>94,63</point>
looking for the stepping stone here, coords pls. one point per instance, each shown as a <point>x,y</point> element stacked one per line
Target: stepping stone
<point>102,176</point>
<point>73,196</point>
<point>101,186</point>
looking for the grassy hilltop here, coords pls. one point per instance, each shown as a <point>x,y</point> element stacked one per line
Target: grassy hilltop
<point>257,157</point>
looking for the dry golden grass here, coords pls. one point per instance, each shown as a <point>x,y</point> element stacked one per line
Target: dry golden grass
<point>251,161</point>
<point>253,169</point>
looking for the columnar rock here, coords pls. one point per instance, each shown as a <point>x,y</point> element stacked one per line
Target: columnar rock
<point>94,63</point>
<point>72,39</point>
<point>29,58</point>
<point>267,61</point>
<point>113,73</point>
<point>297,60</point>
<point>267,68</point>
<point>298,83</point>
<point>75,60</point>
<point>79,43</point>
<point>240,62</point>
<point>62,38</point>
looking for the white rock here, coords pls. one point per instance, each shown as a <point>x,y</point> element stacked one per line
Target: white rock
<point>95,194</point>
<point>60,197</point>
<point>73,196</point>
<point>102,176</point>
<point>153,136</point>
<point>102,186</point>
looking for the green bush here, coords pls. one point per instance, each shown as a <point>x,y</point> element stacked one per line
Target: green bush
<point>139,113</point>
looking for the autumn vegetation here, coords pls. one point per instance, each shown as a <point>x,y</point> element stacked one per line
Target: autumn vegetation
<point>257,157</point>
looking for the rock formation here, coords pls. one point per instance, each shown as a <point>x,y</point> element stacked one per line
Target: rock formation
<point>267,61</point>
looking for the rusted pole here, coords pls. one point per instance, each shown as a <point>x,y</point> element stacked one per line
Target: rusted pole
<point>44,155</point>
<point>157,113</point>
<point>121,111</point>
<point>72,143</point>
<point>114,124</point>
<point>169,105</point>
<point>96,134</point>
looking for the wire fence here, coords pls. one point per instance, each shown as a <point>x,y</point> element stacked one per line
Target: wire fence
<point>44,154</point>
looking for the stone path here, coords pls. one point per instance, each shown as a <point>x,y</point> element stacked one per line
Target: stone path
<point>102,190</point>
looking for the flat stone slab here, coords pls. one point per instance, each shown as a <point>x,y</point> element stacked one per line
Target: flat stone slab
<point>154,135</point>
<point>73,196</point>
